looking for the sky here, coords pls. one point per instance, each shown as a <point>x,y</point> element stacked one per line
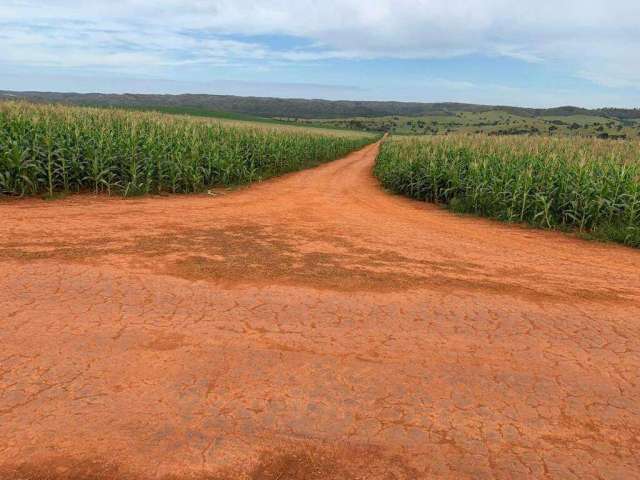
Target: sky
<point>537,53</point>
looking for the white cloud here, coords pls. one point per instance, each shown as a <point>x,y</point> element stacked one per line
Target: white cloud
<point>595,39</point>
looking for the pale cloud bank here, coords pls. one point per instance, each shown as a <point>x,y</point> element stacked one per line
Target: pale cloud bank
<point>592,39</point>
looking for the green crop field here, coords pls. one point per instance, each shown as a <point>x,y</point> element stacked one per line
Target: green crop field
<point>588,185</point>
<point>47,149</point>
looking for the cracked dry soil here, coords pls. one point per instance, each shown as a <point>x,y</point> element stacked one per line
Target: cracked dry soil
<point>310,327</point>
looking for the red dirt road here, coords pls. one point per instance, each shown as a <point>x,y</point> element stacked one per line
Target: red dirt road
<point>313,327</point>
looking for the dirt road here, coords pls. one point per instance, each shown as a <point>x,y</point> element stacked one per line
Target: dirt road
<point>313,327</point>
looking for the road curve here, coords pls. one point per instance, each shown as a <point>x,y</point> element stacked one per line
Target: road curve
<point>311,326</point>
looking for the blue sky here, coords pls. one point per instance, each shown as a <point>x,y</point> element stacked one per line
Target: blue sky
<point>530,53</point>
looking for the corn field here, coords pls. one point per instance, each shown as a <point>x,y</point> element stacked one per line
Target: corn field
<point>588,185</point>
<point>47,149</point>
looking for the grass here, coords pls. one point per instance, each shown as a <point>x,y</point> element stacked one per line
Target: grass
<point>490,122</point>
<point>54,149</point>
<point>586,185</point>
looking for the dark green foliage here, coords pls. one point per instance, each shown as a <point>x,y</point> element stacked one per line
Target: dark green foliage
<point>51,149</point>
<point>587,185</point>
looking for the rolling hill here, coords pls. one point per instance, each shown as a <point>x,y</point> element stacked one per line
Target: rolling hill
<point>304,108</point>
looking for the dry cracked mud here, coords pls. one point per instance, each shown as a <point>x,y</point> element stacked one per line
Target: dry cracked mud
<point>310,327</point>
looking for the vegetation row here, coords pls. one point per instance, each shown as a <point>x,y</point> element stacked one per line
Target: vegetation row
<point>588,185</point>
<point>48,149</point>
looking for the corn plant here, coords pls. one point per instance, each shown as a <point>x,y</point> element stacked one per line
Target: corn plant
<point>588,185</point>
<point>47,149</point>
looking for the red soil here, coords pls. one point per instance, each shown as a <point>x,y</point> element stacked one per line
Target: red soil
<point>312,327</point>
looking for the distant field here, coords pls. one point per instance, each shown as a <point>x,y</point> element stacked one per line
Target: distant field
<point>48,149</point>
<point>202,112</point>
<point>587,185</point>
<point>491,123</point>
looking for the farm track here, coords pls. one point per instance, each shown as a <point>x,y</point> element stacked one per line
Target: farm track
<point>313,327</point>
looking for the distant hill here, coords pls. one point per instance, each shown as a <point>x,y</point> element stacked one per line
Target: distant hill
<point>302,108</point>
